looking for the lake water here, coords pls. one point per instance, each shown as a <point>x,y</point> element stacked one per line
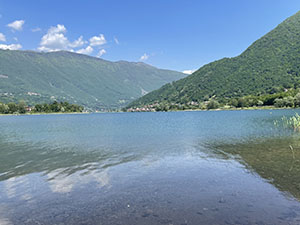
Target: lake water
<point>214,167</point>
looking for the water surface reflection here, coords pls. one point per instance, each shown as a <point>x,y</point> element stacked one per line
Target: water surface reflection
<point>148,168</point>
<point>274,159</point>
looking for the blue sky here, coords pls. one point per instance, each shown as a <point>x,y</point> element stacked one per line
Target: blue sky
<point>172,34</point>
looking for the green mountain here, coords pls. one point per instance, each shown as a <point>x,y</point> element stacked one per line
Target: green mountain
<point>271,64</point>
<point>64,76</point>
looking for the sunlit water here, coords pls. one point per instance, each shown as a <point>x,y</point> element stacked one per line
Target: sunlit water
<point>139,168</point>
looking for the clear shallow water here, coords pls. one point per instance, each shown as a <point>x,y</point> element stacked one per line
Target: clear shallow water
<point>139,168</point>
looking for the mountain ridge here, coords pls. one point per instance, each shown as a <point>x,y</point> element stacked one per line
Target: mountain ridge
<point>269,63</point>
<point>95,83</point>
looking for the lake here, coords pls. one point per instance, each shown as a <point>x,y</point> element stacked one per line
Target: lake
<point>210,167</point>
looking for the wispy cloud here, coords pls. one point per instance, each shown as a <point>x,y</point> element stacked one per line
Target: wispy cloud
<point>77,43</point>
<point>101,52</point>
<point>16,25</point>
<point>144,57</point>
<point>37,29</point>
<point>116,41</point>
<point>2,37</point>
<point>10,47</point>
<point>97,40</point>
<point>189,72</point>
<point>88,50</point>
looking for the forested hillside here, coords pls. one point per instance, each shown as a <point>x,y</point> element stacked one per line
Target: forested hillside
<point>270,65</point>
<point>37,77</point>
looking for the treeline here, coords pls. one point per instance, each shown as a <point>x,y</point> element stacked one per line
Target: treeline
<point>288,98</point>
<point>58,107</point>
<point>54,107</point>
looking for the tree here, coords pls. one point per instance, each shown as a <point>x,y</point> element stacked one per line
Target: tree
<point>38,108</point>
<point>213,104</point>
<point>284,102</point>
<point>3,108</point>
<point>260,103</point>
<point>242,102</point>
<point>288,101</point>
<point>297,100</point>
<point>278,103</point>
<point>234,102</point>
<point>12,107</point>
<point>46,107</point>
<point>22,107</point>
<point>54,107</point>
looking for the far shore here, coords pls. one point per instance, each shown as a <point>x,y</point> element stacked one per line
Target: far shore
<point>186,110</point>
<point>228,109</point>
<point>239,109</point>
<point>36,114</point>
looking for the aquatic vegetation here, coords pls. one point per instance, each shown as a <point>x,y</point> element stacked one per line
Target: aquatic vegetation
<point>291,122</point>
<point>275,159</point>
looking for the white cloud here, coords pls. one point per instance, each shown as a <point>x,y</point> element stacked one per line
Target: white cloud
<point>188,71</point>
<point>101,52</point>
<point>2,37</point>
<point>116,41</point>
<point>88,50</point>
<point>144,57</point>
<point>10,47</point>
<point>97,40</point>
<point>77,43</point>
<point>55,39</point>
<point>16,25</point>
<point>37,29</point>
<point>15,38</point>
<point>58,29</point>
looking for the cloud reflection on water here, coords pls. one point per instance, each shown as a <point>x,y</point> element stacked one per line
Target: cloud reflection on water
<point>61,183</point>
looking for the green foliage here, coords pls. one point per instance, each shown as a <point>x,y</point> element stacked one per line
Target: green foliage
<point>291,122</point>
<point>288,98</point>
<point>4,109</point>
<point>260,103</point>
<point>284,102</point>
<point>64,76</point>
<point>213,104</point>
<point>297,100</point>
<point>21,108</point>
<point>57,107</point>
<point>264,71</point>
<point>12,107</point>
<point>278,103</point>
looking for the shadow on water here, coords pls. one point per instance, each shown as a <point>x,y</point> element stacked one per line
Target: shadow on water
<point>276,159</point>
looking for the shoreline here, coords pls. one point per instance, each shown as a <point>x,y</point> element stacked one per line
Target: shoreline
<point>224,109</point>
<point>37,114</point>
<point>186,110</point>
<point>240,109</point>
